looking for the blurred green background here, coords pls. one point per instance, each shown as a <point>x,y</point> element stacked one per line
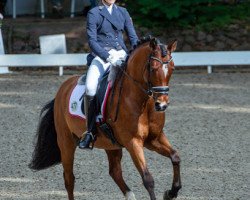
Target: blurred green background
<point>201,14</point>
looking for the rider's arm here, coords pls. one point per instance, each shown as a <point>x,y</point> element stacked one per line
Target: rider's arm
<point>92,24</point>
<point>129,28</point>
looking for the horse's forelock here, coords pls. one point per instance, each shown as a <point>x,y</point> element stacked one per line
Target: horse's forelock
<point>163,50</point>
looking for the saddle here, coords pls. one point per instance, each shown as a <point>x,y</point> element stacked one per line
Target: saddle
<point>105,87</point>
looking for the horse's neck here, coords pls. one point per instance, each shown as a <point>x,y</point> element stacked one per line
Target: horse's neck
<point>137,63</point>
<point>136,69</point>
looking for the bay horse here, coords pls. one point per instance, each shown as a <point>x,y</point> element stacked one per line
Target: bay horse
<point>140,121</point>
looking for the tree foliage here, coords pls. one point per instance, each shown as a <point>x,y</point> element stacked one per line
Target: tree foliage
<point>186,13</point>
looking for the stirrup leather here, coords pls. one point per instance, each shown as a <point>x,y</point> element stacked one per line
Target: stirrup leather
<point>88,133</point>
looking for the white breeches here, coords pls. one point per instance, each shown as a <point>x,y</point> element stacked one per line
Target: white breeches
<point>97,69</point>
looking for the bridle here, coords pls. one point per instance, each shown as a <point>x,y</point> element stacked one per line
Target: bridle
<point>160,61</point>
<point>162,90</point>
<point>151,91</point>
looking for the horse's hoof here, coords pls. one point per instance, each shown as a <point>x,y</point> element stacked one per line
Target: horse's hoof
<point>130,196</point>
<point>167,196</point>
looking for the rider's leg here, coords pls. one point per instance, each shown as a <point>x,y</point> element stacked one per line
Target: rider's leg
<point>96,70</point>
<point>89,108</point>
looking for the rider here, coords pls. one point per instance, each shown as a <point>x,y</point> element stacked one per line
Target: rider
<point>105,26</point>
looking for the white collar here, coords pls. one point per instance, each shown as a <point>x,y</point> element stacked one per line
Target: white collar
<point>109,8</point>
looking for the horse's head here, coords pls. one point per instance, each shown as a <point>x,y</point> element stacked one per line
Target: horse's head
<point>159,71</point>
<point>150,67</point>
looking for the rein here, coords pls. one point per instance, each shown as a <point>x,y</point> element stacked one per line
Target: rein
<point>120,89</point>
<point>148,92</point>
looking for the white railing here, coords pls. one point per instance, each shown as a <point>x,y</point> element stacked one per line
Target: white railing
<point>43,60</point>
<point>212,58</point>
<point>209,59</point>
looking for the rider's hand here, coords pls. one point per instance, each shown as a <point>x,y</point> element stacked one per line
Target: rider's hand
<point>114,61</point>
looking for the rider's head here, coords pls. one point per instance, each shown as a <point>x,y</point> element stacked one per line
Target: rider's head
<point>108,2</point>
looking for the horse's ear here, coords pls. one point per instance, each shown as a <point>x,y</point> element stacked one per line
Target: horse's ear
<point>172,46</point>
<point>153,43</point>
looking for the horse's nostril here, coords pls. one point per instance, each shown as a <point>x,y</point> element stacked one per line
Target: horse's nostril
<point>157,104</point>
<point>160,106</point>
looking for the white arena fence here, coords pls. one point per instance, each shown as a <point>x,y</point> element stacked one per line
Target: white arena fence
<point>181,59</point>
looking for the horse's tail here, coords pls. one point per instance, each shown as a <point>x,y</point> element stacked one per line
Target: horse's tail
<point>46,152</point>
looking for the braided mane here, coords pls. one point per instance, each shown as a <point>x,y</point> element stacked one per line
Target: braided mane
<point>144,40</point>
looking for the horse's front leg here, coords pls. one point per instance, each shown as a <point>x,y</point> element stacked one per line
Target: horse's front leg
<point>135,148</point>
<point>162,146</point>
<point>115,171</point>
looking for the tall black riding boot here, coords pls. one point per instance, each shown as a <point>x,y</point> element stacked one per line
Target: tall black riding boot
<point>89,108</point>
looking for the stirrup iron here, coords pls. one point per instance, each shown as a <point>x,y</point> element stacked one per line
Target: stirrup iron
<point>91,143</point>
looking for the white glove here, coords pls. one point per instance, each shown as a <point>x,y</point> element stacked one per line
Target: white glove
<point>114,61</point>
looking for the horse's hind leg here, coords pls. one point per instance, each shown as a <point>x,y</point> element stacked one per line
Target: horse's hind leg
<point>67,146</point>
<point>163,147</point>
<point>115,171</point>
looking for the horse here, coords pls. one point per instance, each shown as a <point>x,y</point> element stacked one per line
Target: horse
<point>142,100</point>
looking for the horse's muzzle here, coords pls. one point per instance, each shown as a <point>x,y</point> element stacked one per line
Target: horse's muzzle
<point>160,107</point>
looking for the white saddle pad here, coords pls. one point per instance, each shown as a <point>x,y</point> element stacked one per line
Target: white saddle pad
<point>75,103</point>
